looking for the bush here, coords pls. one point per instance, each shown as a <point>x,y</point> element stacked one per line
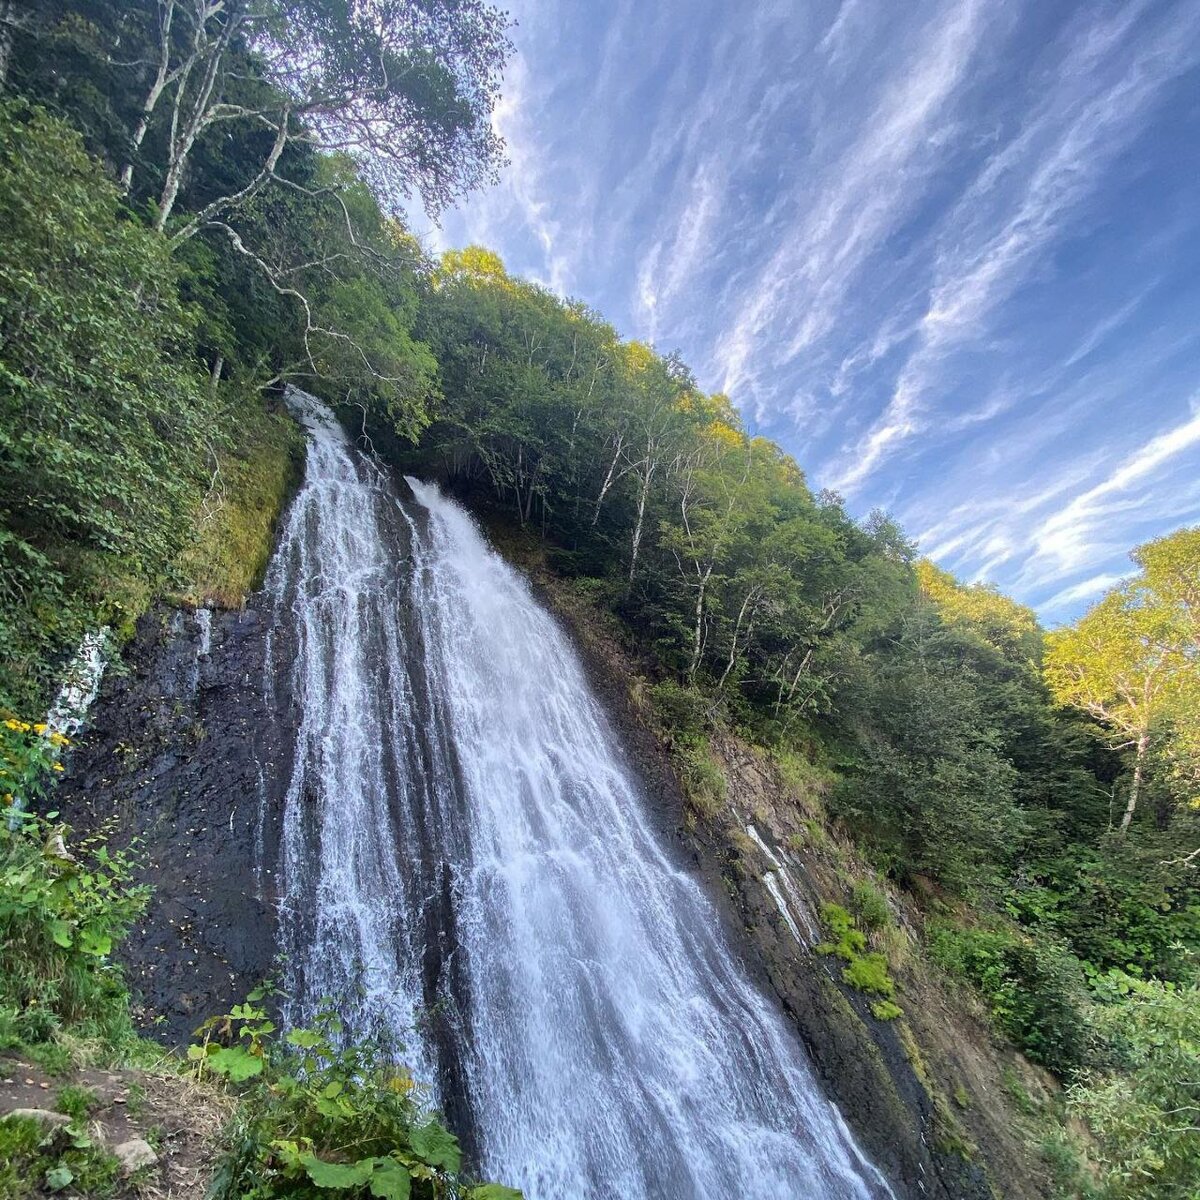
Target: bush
<point>681,710</point>
<point>870,905</point>
<point>318,1117</point>
<point>1035,990</point>
<point>33,1164</point>
<point>703,780</point>
<point>1143,1114</point>
<point>62,909</point>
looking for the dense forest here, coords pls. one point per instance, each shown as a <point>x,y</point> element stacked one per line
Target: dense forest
<point>199,204</point>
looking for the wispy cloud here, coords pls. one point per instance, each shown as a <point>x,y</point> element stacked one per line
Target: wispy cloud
<point>1085,590</point>
<point>1064,540</point>
<point>1097,107</point>
<point>861,195</point>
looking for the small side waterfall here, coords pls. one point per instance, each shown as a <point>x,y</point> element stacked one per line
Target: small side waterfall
<point>466,863</point>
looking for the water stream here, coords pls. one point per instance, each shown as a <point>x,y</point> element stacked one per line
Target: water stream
<point>466,863</point>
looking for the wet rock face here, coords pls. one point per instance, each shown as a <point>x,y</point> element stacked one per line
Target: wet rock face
<point>179,755</point>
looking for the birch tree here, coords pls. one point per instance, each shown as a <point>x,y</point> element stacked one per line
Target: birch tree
<point>1133,661</point>
<point>404,88</point>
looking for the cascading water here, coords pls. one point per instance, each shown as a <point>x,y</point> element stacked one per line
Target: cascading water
<point>466,863</point>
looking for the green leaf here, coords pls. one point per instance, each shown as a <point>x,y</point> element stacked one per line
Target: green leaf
<point>60,931</point>
<point>390,1181</point>
<point>96,944</point>
<point>436,1145</point>
<point>337,1176</point>
<point>306,1039</point>
<point>494,1191</point>
<point>236,1064</point>
<point>58,1178</point>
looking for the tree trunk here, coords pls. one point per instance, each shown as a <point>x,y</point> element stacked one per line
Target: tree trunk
<point>195,120</point>
<point>698,632</point>
<point>8,13</point>
<point>166,17</point>
<point>641,516</point>
<point>608,479</point>
<point>1139,764</point>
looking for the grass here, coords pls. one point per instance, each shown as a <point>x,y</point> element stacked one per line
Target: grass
<point>807,783</point>
<point>77,1102</point>
<point>870,905</point>
<point>704,782</point>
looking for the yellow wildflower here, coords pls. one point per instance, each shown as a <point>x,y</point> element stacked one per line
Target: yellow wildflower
<point>39,728</point>
<point>58,766</point>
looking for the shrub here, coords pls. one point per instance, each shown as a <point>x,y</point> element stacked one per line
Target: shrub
<point>62,909</point>
<point>320,1117</point>
<point>1035,990</point>
<point>870,905</point>
<point>1142,1115</point>
<point>33,1164</point>
<point>703,780</point>
<point>681,710</point>
<point>104,428</point>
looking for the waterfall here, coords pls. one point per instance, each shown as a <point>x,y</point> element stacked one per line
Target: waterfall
<point>467,864</point>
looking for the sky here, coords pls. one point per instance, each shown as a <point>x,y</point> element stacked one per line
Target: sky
<point>945,252</point>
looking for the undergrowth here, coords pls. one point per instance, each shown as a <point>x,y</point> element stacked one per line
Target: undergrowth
<point>320,1115</point>
<point>66,1160</point>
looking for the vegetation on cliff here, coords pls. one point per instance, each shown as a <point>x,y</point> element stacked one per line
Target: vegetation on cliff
<point>189,220</point>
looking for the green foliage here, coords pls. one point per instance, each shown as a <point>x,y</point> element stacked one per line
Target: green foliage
<point>848,941</point>
<point>103,428</point>
<point>62,909</point>
<point>77,1102</point>
<point>1142,1111</point>
<point>704,782</point>
<point>136,459</point>
<point>679,709</point>
<point>320,1116</point>
<point>34,1162</point>
<point>870,905</point>
<point>1133,660</point>
<point>866,970</point>
<point>869,973</point>
<point>235,522</point>
<point>1034,987</point>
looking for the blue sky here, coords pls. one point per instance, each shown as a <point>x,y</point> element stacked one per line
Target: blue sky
<point>946,253</point>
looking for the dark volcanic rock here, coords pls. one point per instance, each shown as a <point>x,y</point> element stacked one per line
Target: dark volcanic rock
<point>179,756</point>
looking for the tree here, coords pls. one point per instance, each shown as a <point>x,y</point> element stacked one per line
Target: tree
<point>931,786</point>
<point>1133,660</point>
<point>405,88</point>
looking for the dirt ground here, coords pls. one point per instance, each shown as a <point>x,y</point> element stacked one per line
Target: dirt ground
<point>180,1119</point>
